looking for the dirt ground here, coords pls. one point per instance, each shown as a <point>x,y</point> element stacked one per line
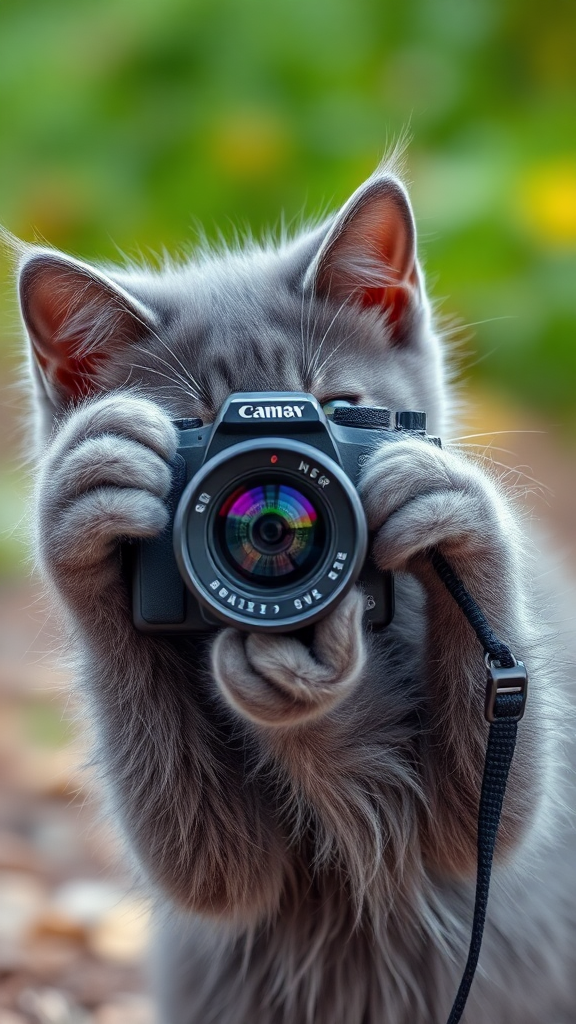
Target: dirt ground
<point>73,930</point>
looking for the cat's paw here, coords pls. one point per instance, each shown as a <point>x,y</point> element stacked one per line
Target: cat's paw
<point>276,681</point>
<point>417,497</point>
<point>105,478</point>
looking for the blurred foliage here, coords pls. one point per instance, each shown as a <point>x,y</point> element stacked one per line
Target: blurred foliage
<point>44,725</point>
<point>124,123</point>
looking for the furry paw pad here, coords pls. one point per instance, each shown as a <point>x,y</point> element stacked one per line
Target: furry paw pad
<point>105,478</point>
<point>277,681</point>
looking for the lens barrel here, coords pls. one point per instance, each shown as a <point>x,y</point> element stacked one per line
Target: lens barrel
<point>269,534</point>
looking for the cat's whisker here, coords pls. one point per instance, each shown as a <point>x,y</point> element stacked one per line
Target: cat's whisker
<point>188,375</point>
<point>183,367</point>
<point>186,381</point>
<point>518,470</point>
<point>314,325</point>
<point>491,433</point>
<point>174,381</point>
<point>482,358</point>
<point>318,351</point>
<point>486,447</point>
<point>513,469</point>
<point>448,332</point>
<point>317,372</point>
<point>309,339</point>
<point>170,387</point>
<point>302,337</point>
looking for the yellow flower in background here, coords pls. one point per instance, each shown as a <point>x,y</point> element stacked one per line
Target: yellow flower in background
<point>249,143</point>
<point>547,202</point>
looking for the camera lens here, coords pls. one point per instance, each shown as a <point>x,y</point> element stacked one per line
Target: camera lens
<point>270,533</point>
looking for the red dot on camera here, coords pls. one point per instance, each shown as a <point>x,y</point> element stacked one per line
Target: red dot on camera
<point>274,459</point>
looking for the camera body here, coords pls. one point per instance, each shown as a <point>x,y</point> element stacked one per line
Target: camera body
<point>266,530</point>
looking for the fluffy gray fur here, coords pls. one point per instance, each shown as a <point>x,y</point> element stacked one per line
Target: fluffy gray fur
<point>305,817</point>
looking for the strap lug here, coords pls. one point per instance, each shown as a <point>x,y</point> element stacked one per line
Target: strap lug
<point>500,681</point>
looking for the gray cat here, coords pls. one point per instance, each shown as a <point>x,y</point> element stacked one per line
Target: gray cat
<point>305,816</point>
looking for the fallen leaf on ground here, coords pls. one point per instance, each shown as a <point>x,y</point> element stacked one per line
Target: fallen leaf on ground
<point>7,1017</point>
<point>122,934</point>
<point>50,1006</point>
<point>126,1011</point>
<point>21,898</point>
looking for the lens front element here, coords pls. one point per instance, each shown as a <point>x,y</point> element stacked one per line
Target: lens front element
<point>270,533</point>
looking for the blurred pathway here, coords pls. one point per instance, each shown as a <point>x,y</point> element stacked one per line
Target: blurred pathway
<point>72,933</point>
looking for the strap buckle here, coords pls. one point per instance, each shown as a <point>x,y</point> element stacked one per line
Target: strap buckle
<point>500,681</point>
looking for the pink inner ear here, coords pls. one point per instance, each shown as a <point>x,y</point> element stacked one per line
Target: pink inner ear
<point>372,258</point>
<point>388,232</point>
<point>72,377</point>
<point>389,242</point>
<point>394,301</point>
<point>51,300</point>
<point>73,319</point>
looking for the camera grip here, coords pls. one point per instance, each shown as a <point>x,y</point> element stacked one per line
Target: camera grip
<point>158,589</point>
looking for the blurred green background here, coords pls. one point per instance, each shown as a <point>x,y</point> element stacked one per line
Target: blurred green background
<point>125,123</point>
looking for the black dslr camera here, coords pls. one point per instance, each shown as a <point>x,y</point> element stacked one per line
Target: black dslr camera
<point>266,532</point>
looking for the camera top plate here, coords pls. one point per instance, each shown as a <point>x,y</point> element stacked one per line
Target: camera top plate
<point>248,411</point>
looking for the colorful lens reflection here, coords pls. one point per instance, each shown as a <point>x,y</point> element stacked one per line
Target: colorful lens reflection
<point>270,531</point>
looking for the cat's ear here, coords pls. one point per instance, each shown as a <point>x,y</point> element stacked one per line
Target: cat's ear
<point>76,318</point>
<point>369,256</point>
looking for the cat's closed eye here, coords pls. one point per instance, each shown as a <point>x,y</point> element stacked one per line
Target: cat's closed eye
<point>330,404</point>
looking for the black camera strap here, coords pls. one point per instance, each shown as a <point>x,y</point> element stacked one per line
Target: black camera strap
<point>506,691</point>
